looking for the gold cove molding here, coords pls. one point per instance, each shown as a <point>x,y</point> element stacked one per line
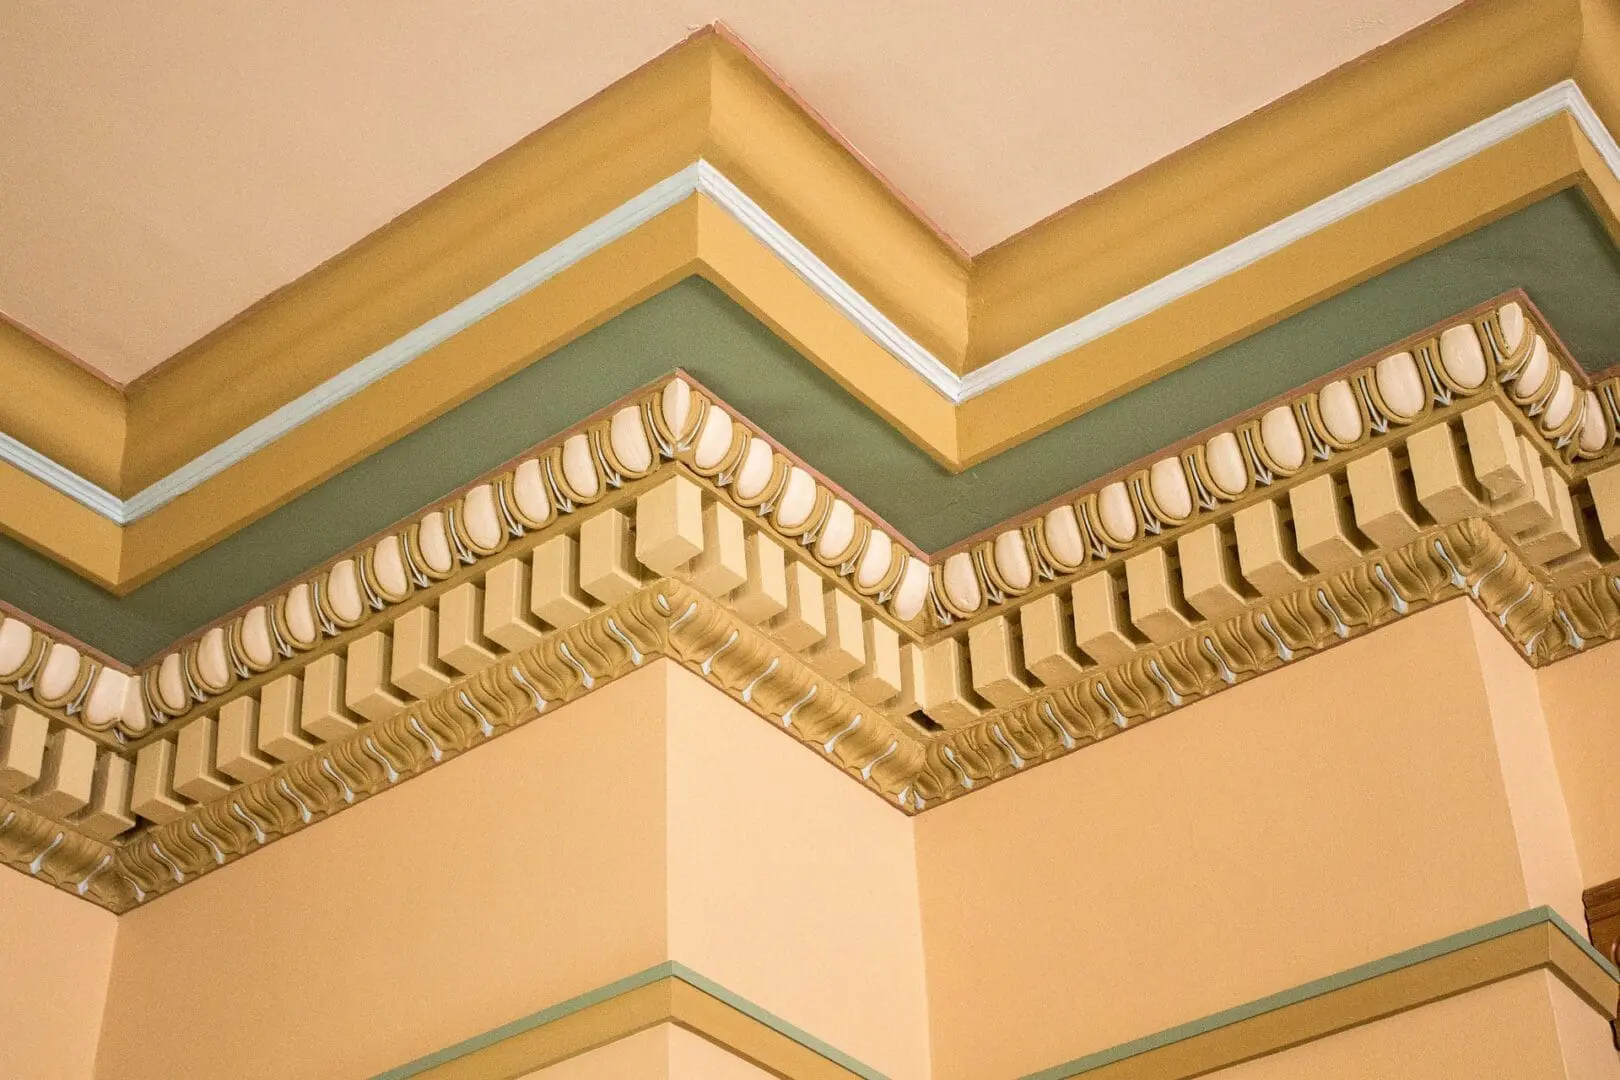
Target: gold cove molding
<point>670,528</point>
<point>709,106</point>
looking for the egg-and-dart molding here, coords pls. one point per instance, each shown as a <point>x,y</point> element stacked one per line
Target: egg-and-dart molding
<point>1472,460</point>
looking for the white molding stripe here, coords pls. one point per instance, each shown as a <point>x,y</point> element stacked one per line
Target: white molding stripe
<point>1406,173</point>
<point>56,475</point>
<point>437,330</point>
<point>832,288</point>
<point>702,178</point>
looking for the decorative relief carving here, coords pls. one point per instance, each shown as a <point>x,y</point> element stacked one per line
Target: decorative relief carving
<point>1500,352</point>
<point>1467,557</point>
<point>913,768</point>
<point>670,423</point>
<point>1290,440</point>
<point>60,855</point>
<point>670,528</point>
<point>662,619</point>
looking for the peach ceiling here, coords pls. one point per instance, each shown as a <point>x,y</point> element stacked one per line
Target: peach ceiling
<point>164,166</point>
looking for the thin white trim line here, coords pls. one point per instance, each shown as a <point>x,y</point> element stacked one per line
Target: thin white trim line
<point>1426,163</point>
<point>1586,118</point>
<point>702,177</point>
<point>395,355</point>
<point>832,288</point>
<point>60,477</point>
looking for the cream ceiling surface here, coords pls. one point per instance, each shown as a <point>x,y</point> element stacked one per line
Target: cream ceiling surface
<point>163,166</point>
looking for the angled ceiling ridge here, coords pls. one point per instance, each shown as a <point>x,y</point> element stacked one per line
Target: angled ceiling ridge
<point>706,179</point>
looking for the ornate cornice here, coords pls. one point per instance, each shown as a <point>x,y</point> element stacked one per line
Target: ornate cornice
<point>697,164</point>
<point>1501,352</point>
<point>1469,462</point>
<point>878,746</point>
<point>1463,559</point>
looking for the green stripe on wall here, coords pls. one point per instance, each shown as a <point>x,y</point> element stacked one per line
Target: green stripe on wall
<point>1078,1067</point>
<point>529,1023</point>
<point>1555,249</point>
<point>666,970</point>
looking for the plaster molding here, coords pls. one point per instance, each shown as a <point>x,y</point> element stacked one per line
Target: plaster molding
<point>1499,362</point>
<point>1464,559</point>
<point>203,817</point>
<point>704,179</point>
<point>669,993</point>
<point>668,527</point>
<point>1534,940</point>
<point>1564,98</point>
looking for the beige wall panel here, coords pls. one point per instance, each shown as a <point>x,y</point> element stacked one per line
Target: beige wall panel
<point>1585,1038</point>
<point>1577,695</point>
<point>792,886</point>
<point>1506,1029</point>
<point>499,884</point>
<point>1284,830</point>
<point>1552,873</point>
<point>55,954</point>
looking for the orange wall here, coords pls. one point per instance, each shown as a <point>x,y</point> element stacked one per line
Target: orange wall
<point>1535,799</point>
<point>1343,808</point>
<point>1579,696</point>
<point>538,868</point>
<point>55,956</point>
<point>792,886</point>
<point>503,882</point>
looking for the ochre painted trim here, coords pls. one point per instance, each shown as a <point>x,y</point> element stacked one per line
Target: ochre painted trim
<point>1442,77</point>
<point>68,415</point>
<point>1113,520</point>
<point>380,703</point>
<point>1526,167</point>
<point>707,101</point>
<point>1536,940</point>
<point>669,993</point>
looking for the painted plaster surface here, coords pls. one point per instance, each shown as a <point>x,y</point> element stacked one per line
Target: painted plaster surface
<point>542,867</point>
<point>791,886</point>
<point>665,1052</point>
<point>1577,696</point>
<point>694,1058</point>
<point>1541,825</point>
<point>55,957</point>
<point>1370,799</point>
<point>1308,807</point>
<point>642,1056</point>
<point>496,886</point>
